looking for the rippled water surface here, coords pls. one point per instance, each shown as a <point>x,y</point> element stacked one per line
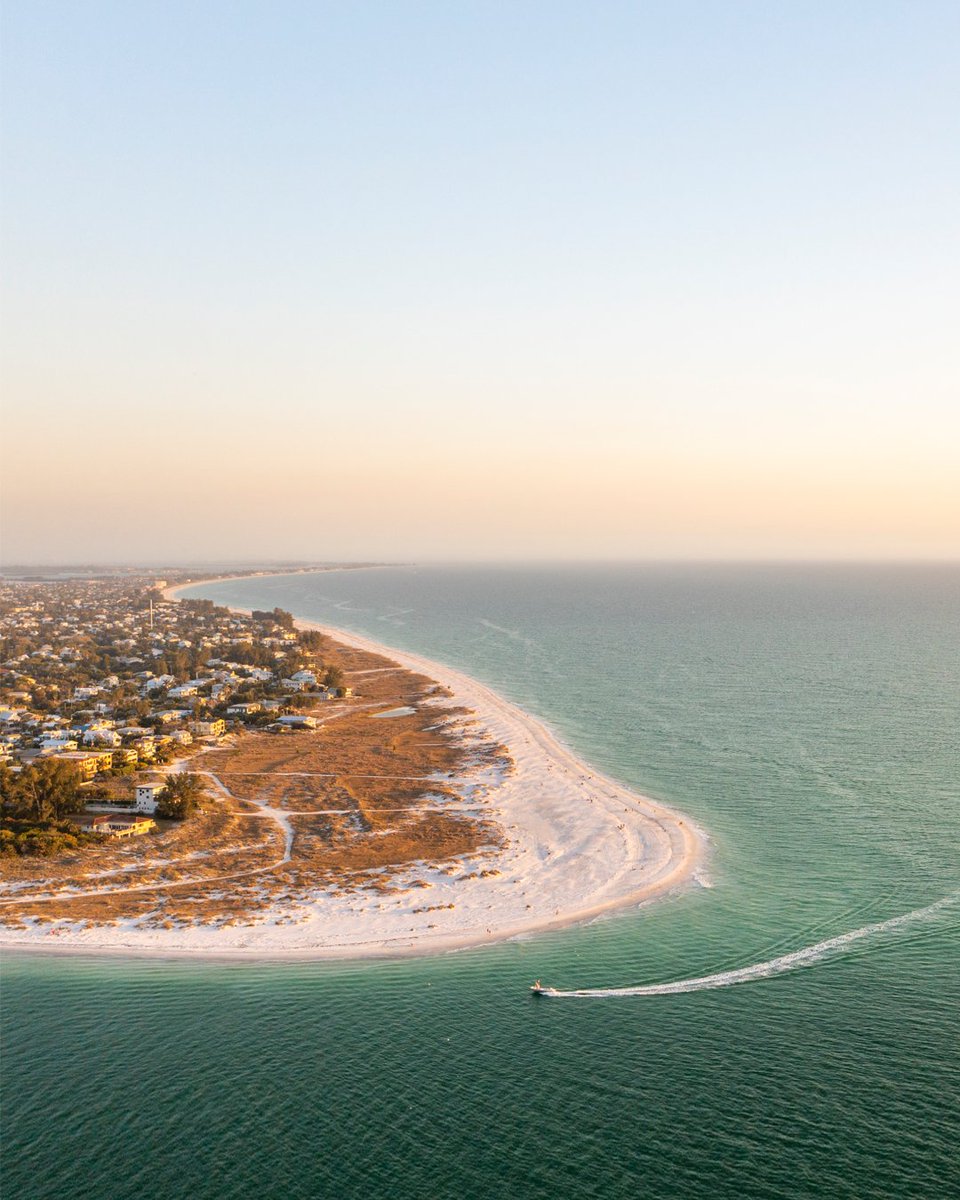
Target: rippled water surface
<point>806,717</point>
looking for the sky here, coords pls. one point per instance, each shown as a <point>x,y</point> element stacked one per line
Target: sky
<point>452,280</point>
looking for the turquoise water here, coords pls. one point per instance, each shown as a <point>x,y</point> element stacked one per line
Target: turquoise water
<point>807,717</point>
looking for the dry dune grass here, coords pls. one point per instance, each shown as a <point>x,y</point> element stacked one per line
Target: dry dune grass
<point>218,825</point>
<point>338,850</point>
<point>152,873</point>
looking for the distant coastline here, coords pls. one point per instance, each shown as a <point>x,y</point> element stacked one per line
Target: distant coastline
<point>170,592</point>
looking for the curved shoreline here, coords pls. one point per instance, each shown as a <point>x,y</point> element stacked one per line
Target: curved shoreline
<point>579,845</point>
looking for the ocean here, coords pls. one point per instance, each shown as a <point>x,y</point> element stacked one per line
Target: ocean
<point>806,717</point>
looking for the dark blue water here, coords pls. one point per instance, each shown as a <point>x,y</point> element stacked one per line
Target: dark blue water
<point>807,717</point>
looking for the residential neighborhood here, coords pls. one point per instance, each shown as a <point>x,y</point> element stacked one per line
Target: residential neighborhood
<point>117,683</point>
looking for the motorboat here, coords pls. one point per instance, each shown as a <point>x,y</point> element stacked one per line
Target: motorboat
<point>538,989</point>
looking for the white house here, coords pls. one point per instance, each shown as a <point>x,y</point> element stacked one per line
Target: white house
<point>157,682</point>
<point>146,798</point>
<point>101,737</point>
<point>53,745</point>
<point>259,674</point>
<point>133,731</point>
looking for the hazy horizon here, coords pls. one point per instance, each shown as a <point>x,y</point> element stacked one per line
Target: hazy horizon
<point>475,283</point>
<point>283,566</point>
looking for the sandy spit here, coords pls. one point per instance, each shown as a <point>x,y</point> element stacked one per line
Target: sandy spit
<point>579,845</point>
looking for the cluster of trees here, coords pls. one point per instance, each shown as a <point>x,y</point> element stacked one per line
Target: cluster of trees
<point>180,796</point>
<point>180,662</point>
<point>45,699</point>
<point>204,608</point>
<point>34,805</point>
<point>252,655</point>
<point>333,677</point>
<point>133,711</point>
<point>13,645</point>
<point>312,640</point>
<point>46,790</point>
<point>21,837</point>
<point>278,616</point>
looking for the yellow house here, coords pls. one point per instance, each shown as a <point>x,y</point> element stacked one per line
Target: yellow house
<point>117,826</point>
<point>87,764</point>
<point>216,727</point>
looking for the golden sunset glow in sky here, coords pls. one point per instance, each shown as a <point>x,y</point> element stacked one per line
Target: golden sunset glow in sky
<point>472,281</point>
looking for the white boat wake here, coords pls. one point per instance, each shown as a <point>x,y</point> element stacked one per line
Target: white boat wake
<point>806,957</point>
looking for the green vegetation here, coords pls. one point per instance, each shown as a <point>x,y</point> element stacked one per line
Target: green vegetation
<point>278,616</point>
<point>180,796</point>
<point>33,805</point>
<point>312,641</point>
<point>43,841</point>
<point>44,791</point>
<point>205,608</point>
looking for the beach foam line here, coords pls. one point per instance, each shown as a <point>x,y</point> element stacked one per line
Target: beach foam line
<point>796,959</point>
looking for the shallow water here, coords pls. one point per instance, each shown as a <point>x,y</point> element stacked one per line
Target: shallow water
<point>805,717</point>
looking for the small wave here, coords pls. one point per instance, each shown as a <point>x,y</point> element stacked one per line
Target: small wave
<point>513,634</point>
<point>793,961</point>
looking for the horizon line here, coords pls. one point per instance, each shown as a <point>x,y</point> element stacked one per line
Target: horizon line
<point>306,565</point>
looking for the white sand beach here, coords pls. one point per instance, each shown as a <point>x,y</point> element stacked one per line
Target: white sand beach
<point>578,845</point>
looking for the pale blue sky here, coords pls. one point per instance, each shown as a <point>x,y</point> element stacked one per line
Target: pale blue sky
<point>455,280</point>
